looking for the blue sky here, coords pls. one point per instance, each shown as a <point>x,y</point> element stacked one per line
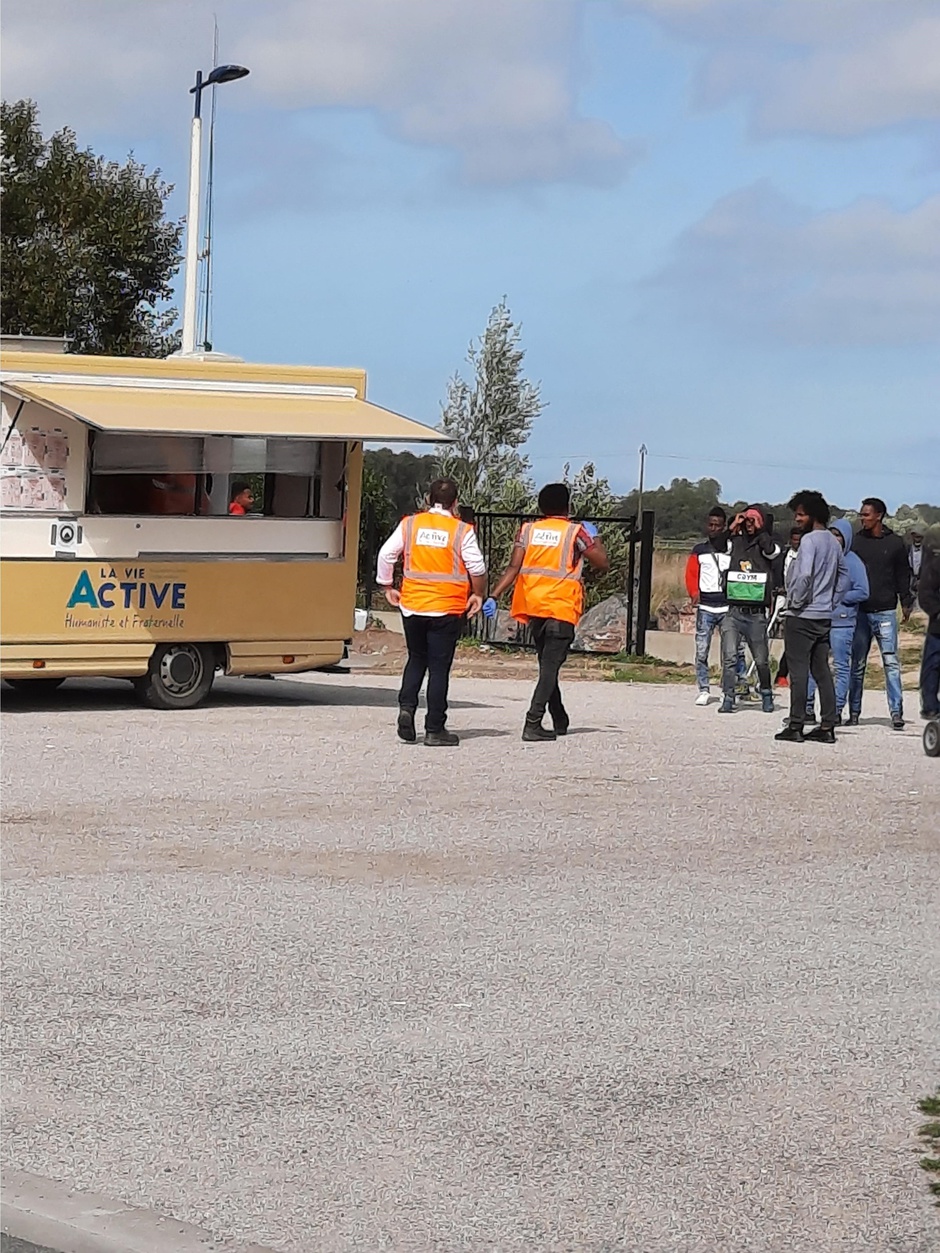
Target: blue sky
<point>718,221</point>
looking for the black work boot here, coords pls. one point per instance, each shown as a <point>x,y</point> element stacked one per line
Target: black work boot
<point>821,735</point>
<point>406,726</point>
<point>792,734</point>
<point>534,732</point>
<point>441,739</point>
<point>561,723</point>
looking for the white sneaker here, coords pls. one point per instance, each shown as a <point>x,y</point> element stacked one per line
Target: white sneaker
<point>702,699</point>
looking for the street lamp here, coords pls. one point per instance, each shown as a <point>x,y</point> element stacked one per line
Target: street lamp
<point>221,74</point>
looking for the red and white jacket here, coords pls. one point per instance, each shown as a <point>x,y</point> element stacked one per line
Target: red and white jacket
<point>705,573</point>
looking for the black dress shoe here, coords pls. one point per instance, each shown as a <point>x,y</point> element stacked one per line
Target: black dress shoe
<point>441,739</point>
<point>791,735</point>
<point>561,725</point>
<point>853,720</point>
<point>534,733</point>
<point>406,726</point>
<point>821,735</point>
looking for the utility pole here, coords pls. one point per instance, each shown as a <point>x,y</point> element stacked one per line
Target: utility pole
<point>639,502</point>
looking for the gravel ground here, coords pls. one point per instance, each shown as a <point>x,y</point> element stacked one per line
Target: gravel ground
<point>664,985</point>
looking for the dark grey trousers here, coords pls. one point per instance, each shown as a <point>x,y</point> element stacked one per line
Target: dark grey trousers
<point>552,639</point>
<point>806,641</point>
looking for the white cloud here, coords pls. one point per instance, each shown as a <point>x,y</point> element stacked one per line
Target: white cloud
<point>759,263</point>
<point>493,81</point>
<point>827,67</point>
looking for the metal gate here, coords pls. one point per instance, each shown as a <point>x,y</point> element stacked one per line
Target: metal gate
<point>631,572</point>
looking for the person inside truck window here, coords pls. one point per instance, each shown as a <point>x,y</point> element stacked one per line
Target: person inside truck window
<point>242,498</point>
<point>175,494</point>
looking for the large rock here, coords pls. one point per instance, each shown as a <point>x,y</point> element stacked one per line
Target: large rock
<point>503,629</point>
<point>603,629</point>
<point>667,619</point>
<point>673,616</point>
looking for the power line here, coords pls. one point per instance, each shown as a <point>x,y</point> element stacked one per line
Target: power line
<point>723,461</point>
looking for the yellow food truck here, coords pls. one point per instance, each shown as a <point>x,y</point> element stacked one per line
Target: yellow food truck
<point>129,545</point>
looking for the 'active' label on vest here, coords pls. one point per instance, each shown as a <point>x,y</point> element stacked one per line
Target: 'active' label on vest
<point>546,537</point>
<point>431,538</point>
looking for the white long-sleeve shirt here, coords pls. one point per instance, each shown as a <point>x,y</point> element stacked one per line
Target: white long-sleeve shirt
<point>394,546</point>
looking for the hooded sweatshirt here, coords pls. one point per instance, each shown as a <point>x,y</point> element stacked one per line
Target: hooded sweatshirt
<point>845,610</point>
<point>889,575</point>
<point>930,591</point>
<point>753,555</point>
<point>818,578</point>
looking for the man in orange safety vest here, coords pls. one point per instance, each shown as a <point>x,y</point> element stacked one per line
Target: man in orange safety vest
<point>545,567</point>
<point>444,579</point>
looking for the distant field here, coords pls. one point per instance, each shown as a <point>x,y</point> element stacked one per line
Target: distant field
<point>668,578</point>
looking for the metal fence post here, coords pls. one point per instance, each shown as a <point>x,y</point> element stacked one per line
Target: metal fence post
<point>371,555</point>
<point>645,590</point>
<point>632,541</point>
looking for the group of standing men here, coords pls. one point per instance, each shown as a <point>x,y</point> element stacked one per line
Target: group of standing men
<point>840,591</point>
<point>837,590</point>
<point>444,582</point>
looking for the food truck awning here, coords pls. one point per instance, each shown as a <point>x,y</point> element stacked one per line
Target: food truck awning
<point>187,407</point>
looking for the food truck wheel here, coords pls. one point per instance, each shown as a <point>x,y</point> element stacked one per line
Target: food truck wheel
<point>34,687</point>
<point>179,676</point>
<point>932,738</point>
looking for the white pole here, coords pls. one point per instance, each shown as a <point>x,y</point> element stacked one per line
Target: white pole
<point>639,504</point>
<point>191,273</point>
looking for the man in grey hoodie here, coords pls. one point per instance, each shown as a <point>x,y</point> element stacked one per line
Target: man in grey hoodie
<point>817,580</point>
<point>844,618</point>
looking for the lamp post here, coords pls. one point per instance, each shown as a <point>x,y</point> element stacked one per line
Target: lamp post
<point>221,74</point>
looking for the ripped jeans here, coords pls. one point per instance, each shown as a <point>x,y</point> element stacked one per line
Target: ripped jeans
<point>882,627</point>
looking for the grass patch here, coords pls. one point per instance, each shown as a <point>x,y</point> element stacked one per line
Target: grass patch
<point>632,668</point>
<point>929,1133</point>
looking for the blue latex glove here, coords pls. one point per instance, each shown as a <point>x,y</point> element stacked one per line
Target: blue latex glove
<point>590,528</point>
<point>489,607</point>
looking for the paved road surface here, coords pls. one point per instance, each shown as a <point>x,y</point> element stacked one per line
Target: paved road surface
<point>663,986</point>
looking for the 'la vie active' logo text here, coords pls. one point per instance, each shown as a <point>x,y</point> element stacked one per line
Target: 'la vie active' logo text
<point>133,593</point>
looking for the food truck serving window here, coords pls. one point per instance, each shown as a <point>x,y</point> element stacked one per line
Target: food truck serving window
<point>199,475</point>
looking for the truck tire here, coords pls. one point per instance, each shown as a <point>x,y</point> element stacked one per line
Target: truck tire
<point>179,676</point>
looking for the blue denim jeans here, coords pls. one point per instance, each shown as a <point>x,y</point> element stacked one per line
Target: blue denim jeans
<point>840,644</point>
<point>930,677</point>
<point>882,627</point>
<point>706,624</point>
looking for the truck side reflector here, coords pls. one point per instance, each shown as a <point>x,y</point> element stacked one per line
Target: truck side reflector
<point>288,661</point>
<point>39,665</point>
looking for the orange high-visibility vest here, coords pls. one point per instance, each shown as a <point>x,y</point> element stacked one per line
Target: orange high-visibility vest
<point>435,577</point>
<point>549,583</point>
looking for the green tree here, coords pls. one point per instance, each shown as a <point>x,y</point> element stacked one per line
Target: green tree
<point>489,420</point>
<point>680,508</point>
<point>406,477</point>
<point>377,519</point>
<point>87,249</point>
<point>591,497</point>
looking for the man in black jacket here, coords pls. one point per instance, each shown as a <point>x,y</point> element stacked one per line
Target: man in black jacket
<point>929,595</point>
<point>749,592</point>
<point>884,556</point>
